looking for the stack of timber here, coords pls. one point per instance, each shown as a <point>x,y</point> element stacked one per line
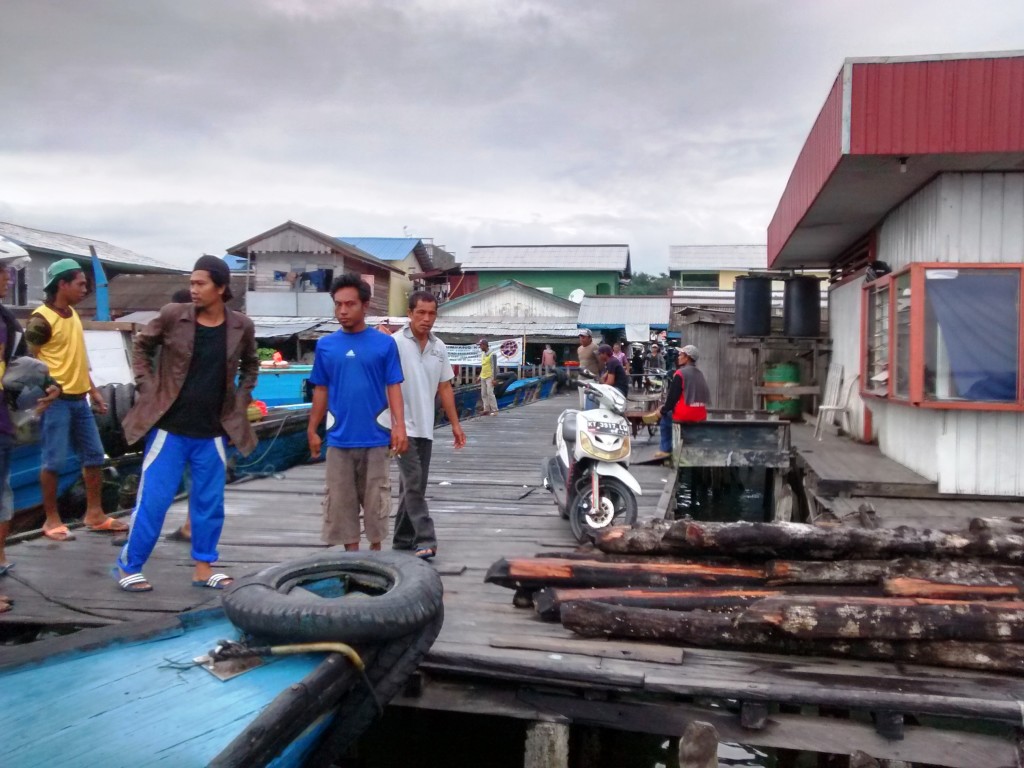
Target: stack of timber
<point>950,599</point>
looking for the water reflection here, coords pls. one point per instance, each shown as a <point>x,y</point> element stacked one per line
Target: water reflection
<point>723,494</point>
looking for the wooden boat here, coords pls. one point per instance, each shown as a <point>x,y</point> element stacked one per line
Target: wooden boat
<point>515,392</point>
<point>173,691</point>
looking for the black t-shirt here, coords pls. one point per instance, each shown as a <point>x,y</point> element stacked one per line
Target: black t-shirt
<point>196,412</point>
<point>621,383</point>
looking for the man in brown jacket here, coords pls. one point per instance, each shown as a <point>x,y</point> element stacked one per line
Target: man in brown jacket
<point>186,409</point>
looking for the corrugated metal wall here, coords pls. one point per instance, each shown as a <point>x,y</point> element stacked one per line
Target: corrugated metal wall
<point>921,107</point>
<point>966,218</point>
<point>817,160</point>
<point>844,312</point>
<point>909,435</point>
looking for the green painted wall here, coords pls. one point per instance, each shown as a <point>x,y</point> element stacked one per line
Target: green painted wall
<point>561,283</point>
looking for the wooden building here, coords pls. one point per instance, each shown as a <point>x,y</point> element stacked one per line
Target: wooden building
<point>567,271</point>
<point>291,268</point>
<point>45,248</point>
<point>910,190</point>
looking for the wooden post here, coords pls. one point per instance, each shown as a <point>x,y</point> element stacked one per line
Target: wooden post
<point>699,746</point>
<point>782,497</point>
<point>547,745</point>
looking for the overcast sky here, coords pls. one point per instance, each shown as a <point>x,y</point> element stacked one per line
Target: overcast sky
<point>180,127</point>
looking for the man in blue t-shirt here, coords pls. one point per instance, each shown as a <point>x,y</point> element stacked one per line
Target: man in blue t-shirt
<point>357,377</point>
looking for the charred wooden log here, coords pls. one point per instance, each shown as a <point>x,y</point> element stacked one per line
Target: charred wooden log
<point>536,572</point>
<point>903,586</point>
<point>998,525</point>
<point>889,618</point>
<point>704,629</point>
<point>647,538</point>
<point>549,602</point>
<point>800,541</point>
<point>809,542</point>
<point>854,572</point>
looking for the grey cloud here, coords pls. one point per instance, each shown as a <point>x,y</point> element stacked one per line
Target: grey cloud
<point>652,122</point>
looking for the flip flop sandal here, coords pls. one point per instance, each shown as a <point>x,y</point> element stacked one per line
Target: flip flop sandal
<point>177,535</point>
<point>109,525</point>
<point>60,533</point>
<point>426,553</point>
<point>215,582</point>
<point>5,568</point>
<point>135,582</point>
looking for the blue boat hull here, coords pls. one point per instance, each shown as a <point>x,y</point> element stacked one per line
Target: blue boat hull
<point>138,700</point>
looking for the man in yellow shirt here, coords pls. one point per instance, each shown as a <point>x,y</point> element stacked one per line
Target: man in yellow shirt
<point>488,378</point>
<point>55,336</point>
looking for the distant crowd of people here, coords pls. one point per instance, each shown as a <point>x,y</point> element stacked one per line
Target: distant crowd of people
<point>687,396</point>
<point>195,366</point>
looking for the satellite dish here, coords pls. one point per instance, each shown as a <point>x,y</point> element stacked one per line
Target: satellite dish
<point>577,295</point>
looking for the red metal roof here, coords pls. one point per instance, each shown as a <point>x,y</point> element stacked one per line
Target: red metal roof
<point>942,113</point>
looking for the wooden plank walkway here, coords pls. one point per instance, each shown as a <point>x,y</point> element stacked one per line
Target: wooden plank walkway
<point>492,658</point>
<point>844,467</point>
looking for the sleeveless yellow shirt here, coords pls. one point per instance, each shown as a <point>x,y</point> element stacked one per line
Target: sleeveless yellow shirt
<point>64,354</point>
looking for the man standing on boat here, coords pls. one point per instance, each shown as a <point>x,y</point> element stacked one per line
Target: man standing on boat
<point>54,335</point>
<point>357,380</point>
<point>488,378</point>
<point>687,399</point>
<point>427,373</point>
<point>186,408</point>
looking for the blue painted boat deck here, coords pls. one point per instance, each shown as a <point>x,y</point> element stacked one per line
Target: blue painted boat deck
<point>131,704</point>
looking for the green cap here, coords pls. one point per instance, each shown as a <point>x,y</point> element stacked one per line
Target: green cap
<point>58,268</point>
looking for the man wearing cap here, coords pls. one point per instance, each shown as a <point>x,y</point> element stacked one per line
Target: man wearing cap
<point>187,406</point>
<point>586,353</point>
<point>612,371</point>
<point>687,398</point>
<point>54,335</point>
<point>488,378</point>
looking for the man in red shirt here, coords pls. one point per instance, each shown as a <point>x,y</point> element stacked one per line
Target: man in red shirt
<point>687,398</point>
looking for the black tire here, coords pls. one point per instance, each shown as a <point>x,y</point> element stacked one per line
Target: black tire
<point>388,666</point>
<point>107,425</point>
<point>504,380</point>
<point>124,399</point>
<point>618,508</point>
<point>388,670</point>
<point>405,594</point>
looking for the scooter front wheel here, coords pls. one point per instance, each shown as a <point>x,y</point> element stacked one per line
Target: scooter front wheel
<point>616,506</point>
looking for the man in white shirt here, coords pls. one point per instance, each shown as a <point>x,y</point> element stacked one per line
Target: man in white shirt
<point>427,372</point>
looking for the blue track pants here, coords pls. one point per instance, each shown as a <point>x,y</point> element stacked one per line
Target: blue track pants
<point>163,464</point>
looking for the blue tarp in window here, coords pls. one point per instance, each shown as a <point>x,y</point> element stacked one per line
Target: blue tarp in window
<point>979,315</point>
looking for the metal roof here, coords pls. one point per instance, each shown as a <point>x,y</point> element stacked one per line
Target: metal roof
<point>560,258</point>
<point>887,128</point>
<point>480,327</point>
<point>506,285</point>
<point>57,244</point>
<point>11,250</point>
<point>717,258</point>
<point>383,248</point>
<point>619,311</point>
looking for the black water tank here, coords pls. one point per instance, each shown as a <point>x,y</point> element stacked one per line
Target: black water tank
<point>753,306</point>
<point>801,306</point>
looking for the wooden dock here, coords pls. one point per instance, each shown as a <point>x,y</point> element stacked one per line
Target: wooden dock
<point>493,658</point>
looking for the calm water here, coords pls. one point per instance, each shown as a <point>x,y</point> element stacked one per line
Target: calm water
<point>422,739</point>
<point>723,495</point>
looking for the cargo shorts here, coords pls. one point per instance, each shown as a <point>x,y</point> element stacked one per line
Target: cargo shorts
<point>357,478</point>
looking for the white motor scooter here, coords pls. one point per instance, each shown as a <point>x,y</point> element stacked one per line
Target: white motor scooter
<point>590,462</point>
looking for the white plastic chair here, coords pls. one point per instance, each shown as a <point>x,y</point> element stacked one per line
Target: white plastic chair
<point>833,403</point>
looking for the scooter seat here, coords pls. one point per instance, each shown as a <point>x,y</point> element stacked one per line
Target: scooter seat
<point>569,426</point>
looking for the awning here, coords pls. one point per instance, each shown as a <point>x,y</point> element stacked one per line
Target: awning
<point>638,332</point>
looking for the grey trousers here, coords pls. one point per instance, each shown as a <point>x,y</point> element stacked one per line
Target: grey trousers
<point>414,528</point>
